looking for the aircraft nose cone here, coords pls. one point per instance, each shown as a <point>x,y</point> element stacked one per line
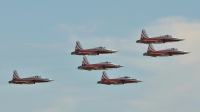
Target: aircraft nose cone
<point>99,82</point>
<point>120,66</point>
<point>114,51</point>
<point>181,39</point>
<point>139,81</point>
<point>50,80</point>
<point>187,52</point>
<point>144,54</point>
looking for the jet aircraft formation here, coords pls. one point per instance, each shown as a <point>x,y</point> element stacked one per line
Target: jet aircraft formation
<point>109,65</point>
<point>159,40</point>
<point>101,66</point>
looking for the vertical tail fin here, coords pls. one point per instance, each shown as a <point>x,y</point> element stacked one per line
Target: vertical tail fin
<point>150,48</point>
<point>104,76</point>
<point>143,35</point>
<point>78,46</point>
<point>85,61</point>
<point>15,75</point>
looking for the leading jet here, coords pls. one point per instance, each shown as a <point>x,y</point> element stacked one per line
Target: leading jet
<point>29,80</point>
<point>117,81</point>
<point>168,52</point>
<point>98,66</point>
<point>157,40</point>
<point>94,51</point>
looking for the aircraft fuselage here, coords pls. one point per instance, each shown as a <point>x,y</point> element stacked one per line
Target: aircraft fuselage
<point>29,81</point>
<point>99,66</point>
<point>93,52</point>
<point>118,81</point>
<point>158,40</point>
<point>163,53</point>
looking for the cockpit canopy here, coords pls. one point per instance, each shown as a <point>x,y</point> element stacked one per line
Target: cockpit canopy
<point>102,47</point>
<point>126,77</point>
<point>166,36</point>
<point>107,62</point>
<point>37,76</point>
<point>174,49</point>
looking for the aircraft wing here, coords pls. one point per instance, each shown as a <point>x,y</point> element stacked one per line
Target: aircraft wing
<point>26,82</point>
<point>162,54</point>
<point>158,53</point>
<point>88,52</point>
<point>109,68</point>
<point>22,81</point>
<point>114,82</point>
<point>154,40</point>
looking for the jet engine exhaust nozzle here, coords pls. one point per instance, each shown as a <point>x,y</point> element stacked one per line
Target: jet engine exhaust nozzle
<point>144,54</point>
<point>72,53</point>
<point>138,41</point>
<point>79,67</point>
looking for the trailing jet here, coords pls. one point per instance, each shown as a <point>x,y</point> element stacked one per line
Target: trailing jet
<point>168,52</point>
<point>94,51</point>
<point>99,66</point>
<point>30,80</point>
<point>157,40</point>
<point>116,81</point>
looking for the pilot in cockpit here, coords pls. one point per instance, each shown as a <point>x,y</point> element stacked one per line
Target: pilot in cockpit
<point>126,77</point>
<point>173,49</point>
<point>167,35</point>
<point>102,47</point>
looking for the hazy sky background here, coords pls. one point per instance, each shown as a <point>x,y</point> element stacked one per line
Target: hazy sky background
<point>37,38</point>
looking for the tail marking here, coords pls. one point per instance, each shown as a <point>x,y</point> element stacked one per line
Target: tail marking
<point>144,35</point>
<point>85,61</point>
<point>78,46</point>
<point>150,48</point>
<point>15,75</point>
<point>104,76</point>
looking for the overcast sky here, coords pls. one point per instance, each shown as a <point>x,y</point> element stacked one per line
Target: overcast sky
<point>37,38</point>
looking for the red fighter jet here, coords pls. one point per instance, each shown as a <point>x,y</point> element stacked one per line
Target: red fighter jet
<point>99,66</point>
<point>116,81</point>
<point>30,80</point>
<point>168,52</point>
<point>157,40</point>
<point>94,51</point>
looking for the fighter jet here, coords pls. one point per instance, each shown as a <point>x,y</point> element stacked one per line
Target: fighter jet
<point>30,80</point>
<point>168,52</point>
<point>98,66</point>
<point>117,81</point>
<point>157,40</point>
<point>94,51</point>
